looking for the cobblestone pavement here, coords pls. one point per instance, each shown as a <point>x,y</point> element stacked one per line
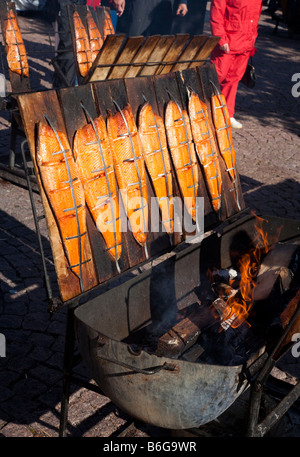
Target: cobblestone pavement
<point>268,160</point>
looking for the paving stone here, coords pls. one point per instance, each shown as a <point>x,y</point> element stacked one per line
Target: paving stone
<point>13,430</point>
<point>36,321</point>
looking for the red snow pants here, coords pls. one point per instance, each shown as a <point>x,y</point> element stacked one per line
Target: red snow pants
<point>230,70</point>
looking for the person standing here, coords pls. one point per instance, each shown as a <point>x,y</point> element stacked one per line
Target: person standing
<point>236,23</point>
<point>151,17</point>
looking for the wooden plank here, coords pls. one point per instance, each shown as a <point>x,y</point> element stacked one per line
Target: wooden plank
<point>157,55</point>
<point>209,80</point>
<point>139,90</point>
<point>19,83</point>
<point>128,52</point>
<point>189,80</point>
<point>167,88</point>
<point>173,53</point>
<point>100,14</point>
<point>75,118</point>
<point>107,56</point>
<point>106,93</point>
<point>204,51</point>
<point>141,56</point>
<point>189,53</point>
<point>33,106</point>
<point>210,86</point>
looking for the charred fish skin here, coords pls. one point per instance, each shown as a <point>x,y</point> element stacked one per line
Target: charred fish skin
<point>16,54</point>
<point>96,171</point>
<point>96,40</point>
<point>65,193</point>
<point>183,154</point>
<point>206,148</point>
<point>155,150</point>
<point>83,52</point>
<point>130,170</point>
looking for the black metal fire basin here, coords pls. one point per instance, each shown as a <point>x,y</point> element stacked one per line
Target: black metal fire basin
<point>163,391</point>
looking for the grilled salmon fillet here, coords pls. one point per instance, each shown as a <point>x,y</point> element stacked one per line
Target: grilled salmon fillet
<point>95,168</point>
<point>83,52</point>
<point>183,154</point>
<point>130,170</point>
<point>223,130</point>
<point>16,52</point>
<point>154,141</point>
<point>96,40</point>
<point>64,191</point>
<point>108,28</point>
<point>206,148</point>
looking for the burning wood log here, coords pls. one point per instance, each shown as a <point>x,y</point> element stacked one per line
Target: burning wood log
<point>221,306</point>
<point>223,291</point>
<point>275,267</point>
<point>185,334</point>
<point>286,316</point>
<point>193,353</point>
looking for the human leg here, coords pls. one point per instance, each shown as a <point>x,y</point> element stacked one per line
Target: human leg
<point>230,83</point>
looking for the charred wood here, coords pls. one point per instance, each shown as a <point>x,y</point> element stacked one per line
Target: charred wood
<point>185,333</point>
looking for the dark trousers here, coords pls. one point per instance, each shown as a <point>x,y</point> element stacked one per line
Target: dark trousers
<point>148,17</point>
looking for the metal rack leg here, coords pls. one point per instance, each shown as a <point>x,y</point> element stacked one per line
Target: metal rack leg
<point>67,372</point>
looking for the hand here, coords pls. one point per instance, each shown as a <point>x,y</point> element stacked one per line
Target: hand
<point>182,9</point>
<point>119,6</point>
<point>225,48</point>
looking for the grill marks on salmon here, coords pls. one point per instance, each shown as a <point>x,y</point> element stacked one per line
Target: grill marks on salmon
<point>183,154</point>
<point>108,28</point>
<point>206,148</point>
<point>65,192</point>
<point>96,40</point>
<point>16,53</point>
<point>83,52</point>
<point>130,170</point>
<point>95,167</point>
<point>154,141</point>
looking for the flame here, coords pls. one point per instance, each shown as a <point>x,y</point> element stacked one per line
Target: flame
<point>238,307</point>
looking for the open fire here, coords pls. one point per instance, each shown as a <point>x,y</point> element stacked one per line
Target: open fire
<point>235,309</point>
<point>229,315</point>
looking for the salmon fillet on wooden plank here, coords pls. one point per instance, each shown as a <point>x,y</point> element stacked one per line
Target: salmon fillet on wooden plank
<point>154,141</point>
<point>183,154</point>
<point>108,28</point>
<point>16,54</point>
<point>65,192</point>
<point>96,40</point>
<point>206,148</point>
<point>223,131</point>
<point>130,170</point>
<point>83,52</point>
<point>222,125</point>
<point>95,167</point>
